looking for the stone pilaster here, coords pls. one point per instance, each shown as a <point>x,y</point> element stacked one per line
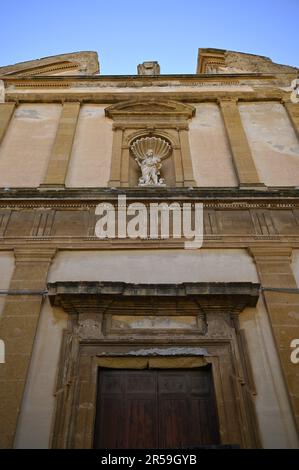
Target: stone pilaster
<point>6,113</point>
<point>62,149</point>
<point>186,158</point>
<point>115,172</point>
<point>125,167</point>
<point>242,157</point>
<point>2,91</point>
<point>18,325</point>
<point>178,167</point>
<point>274,268</point>
<point>293,112</point>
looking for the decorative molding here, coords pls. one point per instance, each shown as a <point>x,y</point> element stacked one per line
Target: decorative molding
<point>221,61</point>
<point>102,97</point>
<point>90,337</point>
<point>275,253</point>
<point>152,108</point>
<point>85,63</point>
<point>208,204</point>
<point>34,255</point>
<point>223,290</point>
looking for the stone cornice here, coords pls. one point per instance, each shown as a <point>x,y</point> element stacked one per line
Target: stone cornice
<point>232,217</point>
<point>113,89</point>
<point>103,97</point>
<point>205,192</point>
<point>284,195</point>
<point>147,79</point>
<point>228,295</point>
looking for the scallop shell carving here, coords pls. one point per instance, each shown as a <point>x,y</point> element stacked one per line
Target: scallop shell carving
<point>159,146</point>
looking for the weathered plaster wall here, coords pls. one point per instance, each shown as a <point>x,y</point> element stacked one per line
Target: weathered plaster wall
<point>277,428</point>
<point>26,148</point>
<point>36,418</point>
<point>273,142</point>
<point>211,156</point>
<point>91,156</point>
<point>163,266</point>
<point>7,264</point>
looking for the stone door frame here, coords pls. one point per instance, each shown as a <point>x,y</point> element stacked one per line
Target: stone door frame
<point>221,345</point>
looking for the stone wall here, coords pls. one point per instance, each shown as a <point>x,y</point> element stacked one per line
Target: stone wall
<point>274,144</point>
<point>91,157</point>
<point>29,142</point>
<point>274,415</point>
<point>210,148</point>
<point>26,147</point>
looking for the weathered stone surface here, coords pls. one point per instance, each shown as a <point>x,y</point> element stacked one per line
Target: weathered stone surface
<point>232,124</point>
<point>82,63</point>
<point>224,61</point>
<point>148,68</point>
<point>281,308</point>
<point>18,325</point>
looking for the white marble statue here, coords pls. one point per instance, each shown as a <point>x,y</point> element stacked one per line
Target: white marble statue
<point>150,169</point>
<point>149,153</point>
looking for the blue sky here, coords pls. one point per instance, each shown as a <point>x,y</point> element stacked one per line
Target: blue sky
<point>125,33</point>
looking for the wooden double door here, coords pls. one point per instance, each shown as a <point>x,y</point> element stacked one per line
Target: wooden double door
<point>155,409</point>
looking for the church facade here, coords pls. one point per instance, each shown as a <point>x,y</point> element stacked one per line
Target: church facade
<point>149,254</point>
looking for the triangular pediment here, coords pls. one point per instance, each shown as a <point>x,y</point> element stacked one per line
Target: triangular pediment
<point>220,61</point>
<point>150,107</point>
<point>77,63</point>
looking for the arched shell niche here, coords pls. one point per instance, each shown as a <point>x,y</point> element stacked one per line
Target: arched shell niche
<point>151,117</point>
<point>162,148</point>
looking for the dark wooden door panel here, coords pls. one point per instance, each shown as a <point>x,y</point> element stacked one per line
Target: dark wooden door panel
<point>172,382</point>
<point>141,427</point>
<point>173,418</point>
<point>110,411</point>
<point>202,424</point>
<point>155,408</point>
<point>141,382</point>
